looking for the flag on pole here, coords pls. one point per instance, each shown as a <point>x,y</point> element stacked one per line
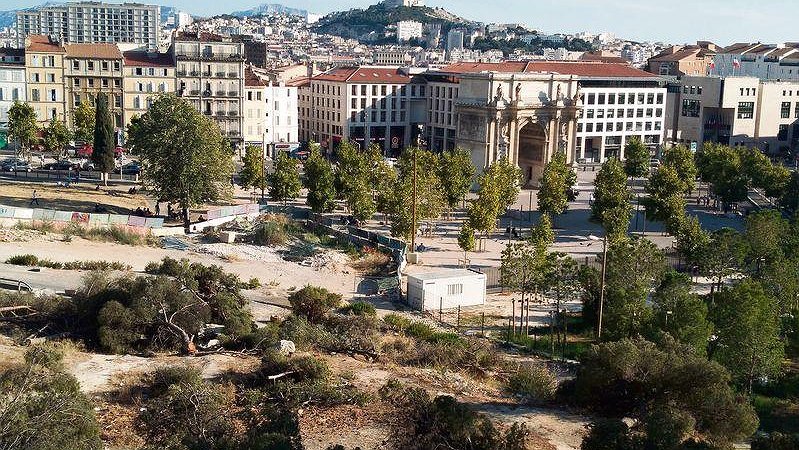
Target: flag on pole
<point>736,63</point>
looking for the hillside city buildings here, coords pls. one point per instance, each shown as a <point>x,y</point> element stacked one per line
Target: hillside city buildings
<point>273,82</point>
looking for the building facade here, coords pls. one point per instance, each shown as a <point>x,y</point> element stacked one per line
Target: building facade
<point>694,60</point>
<point>12,88</point>
<point>763,61</point>
<point>146,75</point>
<point>134,24</point>
<point>210,74</point>
<point>44,76</point>
<point>89,70</point>
<point>270,114</point>
<point>736,111</point>
<point>407,30</point>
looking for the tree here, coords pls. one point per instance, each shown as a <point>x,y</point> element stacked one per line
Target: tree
<point>722,166</point>
<point>556,182</point>
<point>748,333</point>
<point>429,201</point>
<point>669,391</point>
<point>313,303</point>
<point>767,234</point>
<point>352,181</point>
<point>56,137</point>
<point>22,126</point>
<point>636,158</point>
<point>284,181</point>
<point>498,188</point>
<point>83,120</point>
<point>510,178</point>
<point>466,240</point>
<point>790,200</point>
<point>42,407</point>
<point>253,171</point>
<point>665,201</point>
<point>681,159</point>
<point>104,138</point>
<point>320,181</point>
<point>185,156</point>
<point>723,256</point>
<point>681,313</point>
<point>611,206</point>
<point>692,240</point>
<point>456,172</point>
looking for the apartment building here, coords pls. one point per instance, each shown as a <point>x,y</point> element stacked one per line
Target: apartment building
<point>737,111</point>
<point>407,30</point>
<point>367,105</point>
<point>270,113</point>
<point>619,102</point>
<point>91,69</point>
<point>132,24</point>
<point>44,75</point>
<point>146,74</point>
<point>679,60</point>
<point>210,74</point>
<point>763,61</point>
<point>12,86</point>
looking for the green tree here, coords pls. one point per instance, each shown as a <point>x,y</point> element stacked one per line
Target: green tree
<point>723,167</point>
<point>556,181</point>
<point>498,188</point>
<point>748,333</point>
<point>186,158</point>
<point>692,240</point>
<point>466,240</point>
<point>665,202</point>
<point>313,303</point>
<point>430,200</point>
<point>670,392</point>
<point>456,173</point>
<point>790,200</point>
<point>284,181</point>
<point>83,120</point>
<point>352,181</point>
<point>104,138</point>
<point>767,234</point>
<point>681,159</point>
<point>42,407</point>
<point>253,171</point>
<point>510,178</point>
<point>680,312</point>
<point>56,137</point>
<point>636,158</point>
<point>320,181</point>
<point>22,126</point>
<point>723,256</point>
<point>611,206</point>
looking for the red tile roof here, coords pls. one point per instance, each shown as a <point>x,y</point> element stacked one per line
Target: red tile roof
<point>98,50</point>
<point>370,75</point>
<point>147,59</point>
<point>250,79</point>
<point>42,44</point>
<point>577,68</point>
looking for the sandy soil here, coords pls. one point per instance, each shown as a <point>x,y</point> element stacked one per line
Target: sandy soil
<point>81,198</point>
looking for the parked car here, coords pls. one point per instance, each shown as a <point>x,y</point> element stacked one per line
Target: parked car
<point>15,165</point>
<point>302,155</point>
<point>129,169</point>
<point>64,164</point>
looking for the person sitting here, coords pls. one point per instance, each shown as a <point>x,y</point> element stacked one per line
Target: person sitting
<point>139,211</point>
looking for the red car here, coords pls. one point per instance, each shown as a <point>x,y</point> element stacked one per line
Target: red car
<point>87,150</point>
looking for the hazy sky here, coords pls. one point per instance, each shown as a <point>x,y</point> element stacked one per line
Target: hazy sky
<point>676,21</point>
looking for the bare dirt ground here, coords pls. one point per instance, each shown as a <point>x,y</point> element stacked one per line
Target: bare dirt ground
<point>80,198</point>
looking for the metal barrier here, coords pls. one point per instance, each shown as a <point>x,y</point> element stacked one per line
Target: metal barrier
<point>15,285</point>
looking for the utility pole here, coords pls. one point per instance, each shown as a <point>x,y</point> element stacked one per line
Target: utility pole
<point>602,288</point>
<point>413,208</point>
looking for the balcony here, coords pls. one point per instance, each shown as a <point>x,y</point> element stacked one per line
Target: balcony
<point>233,113</point>
<point>207,113</point>
<point>206,74</point>
<point>206,93</point>
<point>233,133</point>
<point>220,113</point>
<point>194,92</point>
<point>194,73</point>
<point>233,74</point>
<point>220,93</point>
<point>233,93</point>
<point>220,74</point>
<point>181,73</point>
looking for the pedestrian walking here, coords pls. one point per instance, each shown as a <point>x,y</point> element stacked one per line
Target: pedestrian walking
<point>157,209</point>
<point>34,198</point>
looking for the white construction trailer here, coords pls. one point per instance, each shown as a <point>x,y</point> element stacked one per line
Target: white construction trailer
<point>446,289</point>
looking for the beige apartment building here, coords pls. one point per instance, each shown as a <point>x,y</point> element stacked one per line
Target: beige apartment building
<point>44,74</point>
<point>210,74</point>
<point>679,60</point>
<point>146,74</point>
<point>91,69</point>
<point>737,111</point>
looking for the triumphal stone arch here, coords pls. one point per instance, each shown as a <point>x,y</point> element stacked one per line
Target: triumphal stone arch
<point>525,117</point>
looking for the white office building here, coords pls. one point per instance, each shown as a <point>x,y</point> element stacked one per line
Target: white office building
<point>91,22</point>
<point>407,30</point>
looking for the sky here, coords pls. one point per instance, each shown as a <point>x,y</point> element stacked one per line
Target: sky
<point>672,21</point>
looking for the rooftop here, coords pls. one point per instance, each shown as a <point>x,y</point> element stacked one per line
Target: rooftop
<point>42,44</point>
<point>147,59</point>
<point>202,36</point>
<point>96,51</point>
<point>365,74</point>
<point>589,69</point>
<point>445,274</point>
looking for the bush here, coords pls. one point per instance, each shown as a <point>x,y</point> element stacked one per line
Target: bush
<point>23,260</point>
<point>776,441</point>
<point>360,308</point>
<point>164,377</point>
<point>396,322</point>
<point>534,383</point>
<point>420,330</point>
<point>271,234</point>
<point>32,260</point>
<point>313,303</point>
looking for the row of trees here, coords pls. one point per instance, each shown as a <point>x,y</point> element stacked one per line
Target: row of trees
<point>92,125</point>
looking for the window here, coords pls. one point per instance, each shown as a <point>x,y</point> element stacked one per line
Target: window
<point>746,110</point>
<point>591,99</point>
<point>35,95</point>
<point>76,82</point>
<point>796,113</point>
<point>75,65</point>
<point>104,65</point>
<point>455,289</point>
<point>785,110</point>
<point>601,100</point>
<point>90,65</point>
<point>691,108</point>
<point>589,114</point>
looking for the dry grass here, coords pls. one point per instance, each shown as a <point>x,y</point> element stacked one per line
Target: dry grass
<point>74,198</point>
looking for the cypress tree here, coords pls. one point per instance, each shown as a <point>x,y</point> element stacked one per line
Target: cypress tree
<point>104,140</point>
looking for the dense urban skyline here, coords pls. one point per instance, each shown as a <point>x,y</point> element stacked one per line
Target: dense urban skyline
<point>676,21</point>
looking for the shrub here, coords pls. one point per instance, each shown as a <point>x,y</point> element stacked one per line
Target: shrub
<point>420,330</point>
<point>360,308</point>
<point>776,441</point>
<point>23,260</point>
<point>396,322</point>
<point>313,303</point>
<point>254,283</point>
<point>534,383</point>
<point>271,233</point>
<point>164,377</point>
